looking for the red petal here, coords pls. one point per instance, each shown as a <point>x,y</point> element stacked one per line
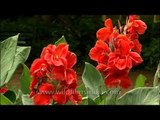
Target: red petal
<point>33,83</point>
<point>137,46</point>
<point>62,50</point>
<point>125,82</point>
<point>109,25</point>
<point>35,65</point>
<point>42,99</point>
<point>111,81</point>
<point>58,73</point>
<point>94,53</point>
<point>136,58</point>
<point>129,62</point>
<point>121,63</point>
<point>47,88</point>
<point>75,97</point>
<point>47,57</point>
<point>57,61</point>
<point>101,67</point>
<point>70,76</point>
<point>133,17</point>
<point>71,59</point>
<point>103,34</point>
<point>142,27</point>
<point>103,45</point>
<point>100,49</point>
<point>60,98</point>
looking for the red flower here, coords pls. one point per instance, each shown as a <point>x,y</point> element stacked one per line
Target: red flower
<point>70,94</point>
<point>116,77</point>
<point>3,90</point>
<point>71,59</point>
<point>136,25</point>
<point>61,74</point>
<point>117,50</point>
<point>104,33</point>
<point>44,95</point>
<point>123,57</point>
<point>38,68</point>
<point>99,52</point>
<point>55,56</point>
<point>54,71</point>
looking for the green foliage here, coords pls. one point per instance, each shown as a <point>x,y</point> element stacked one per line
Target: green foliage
<point>112,96</point>
<point>140,96</point>
<point>26,100</point>
<point>4,100</point>
<point>10,95</point>
<point>93,81</point>
<point>8,49</point>
<point>61,40</point>
<point>11,57</point>
<point>25,80</point>
<point>140,81</point>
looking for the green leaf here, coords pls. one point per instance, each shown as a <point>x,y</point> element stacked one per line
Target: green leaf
<point>93,81</point>
<point>10,95</point>
<point>25,80</point>
<point>26,100</point>
<point>21,56</point>
<point>112,96</point>
<point>101,99</point>
<point>157,76</point>
<point>11,57</point>
<point>8,50</point>
<point>61,40</point>
<point>91,102</point>
<point>140,81</point>
<point>140,96</point>
<point>4,100</point>
<point>81,88</point>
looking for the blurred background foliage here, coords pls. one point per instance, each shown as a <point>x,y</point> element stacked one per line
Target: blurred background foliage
<point>38,31</point>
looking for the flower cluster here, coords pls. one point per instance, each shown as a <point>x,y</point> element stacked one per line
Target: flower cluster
<point>117,50</point>
<point>53,78</point>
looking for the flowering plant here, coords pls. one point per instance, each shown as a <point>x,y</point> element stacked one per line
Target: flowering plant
<point>52,79</point>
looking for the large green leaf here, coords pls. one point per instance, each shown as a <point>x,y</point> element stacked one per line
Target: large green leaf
<point>21,56</point>
<point>93,81</point>
<point>26,100</point>
<point>11,57</point>
<point>140,81</point>
<point>140,96</point>
<point>25,80</point>
<point>61,40</point>
<point>10,95</point>
<point>8,50</point>
<point>4,100</point>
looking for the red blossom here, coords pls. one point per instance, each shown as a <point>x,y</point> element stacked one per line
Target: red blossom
<point>117,50</point>
<point>104,33</point>
<point>55,55</point>
<point>44,94</point>
<point>136,25</point>
<point>52,73</point>
<point>99,52</point>
<point>70,94</point>
<point>3,90</point>
<point>39,68</point>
